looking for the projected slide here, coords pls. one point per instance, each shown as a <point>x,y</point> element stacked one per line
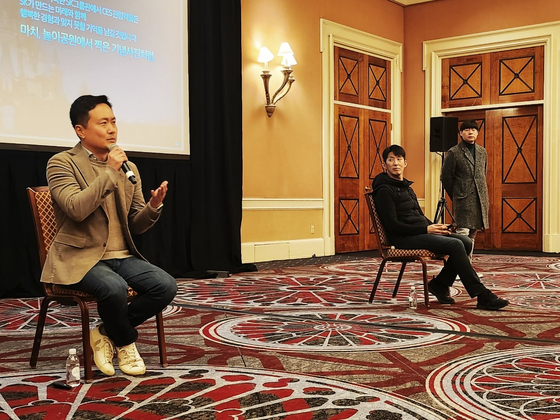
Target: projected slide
<point>134,51</point>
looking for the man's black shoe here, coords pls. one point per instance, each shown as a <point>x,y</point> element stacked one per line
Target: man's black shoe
<point>441,292</point>
<point>490,302</point>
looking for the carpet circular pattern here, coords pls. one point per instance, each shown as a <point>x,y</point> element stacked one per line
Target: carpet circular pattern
<point>482,263</point>
<point>19,316</point>
<point>205,393</point>
<point>554,266</point>
<point>510,384</point>
<point>498,262</point>
<point>538,302</point>
<point>523,280</point>
<point>333,331</point>
<point>288,291</point>
<point>369,267</point>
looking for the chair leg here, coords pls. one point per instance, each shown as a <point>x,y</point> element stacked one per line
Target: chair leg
<point>425,280</point>
<point>161,340</point>
<point>87,351</point>
<point>377,279</point>
<point>39,332</point>
<point>398,283</point>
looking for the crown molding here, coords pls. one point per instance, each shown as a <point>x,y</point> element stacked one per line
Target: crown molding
<point>409,2</point>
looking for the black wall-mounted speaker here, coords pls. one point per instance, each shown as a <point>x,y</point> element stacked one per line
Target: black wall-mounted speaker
<point>444,132</point>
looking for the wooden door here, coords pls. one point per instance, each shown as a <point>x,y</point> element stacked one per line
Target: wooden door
<point>516,170</point>
<point>513,140</point>
<point>512,136</point>
<point>348,142</point>
<point>360,135</point>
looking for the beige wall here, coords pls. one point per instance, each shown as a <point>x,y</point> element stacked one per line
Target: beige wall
<point>282,154</point>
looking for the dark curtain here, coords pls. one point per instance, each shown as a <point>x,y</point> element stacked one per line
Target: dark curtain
<point>216,133</point>
<point>167,243</point>
<point>19,258</point>
<point>199,229</point>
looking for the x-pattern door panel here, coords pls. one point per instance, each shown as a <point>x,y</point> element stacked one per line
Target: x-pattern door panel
<point>379,88</point>
<point>349,76</point>
<point>348,145</point>
<point>465,81</point>
<point>377,142</point>
<point>518,74</point>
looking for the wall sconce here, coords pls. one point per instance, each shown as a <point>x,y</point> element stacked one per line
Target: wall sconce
<point>288,61</point>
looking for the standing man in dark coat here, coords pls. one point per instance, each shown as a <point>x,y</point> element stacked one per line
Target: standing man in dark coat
<point>463,176</point>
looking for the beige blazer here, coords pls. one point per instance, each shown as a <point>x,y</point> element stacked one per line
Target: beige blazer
<point>81,215</point>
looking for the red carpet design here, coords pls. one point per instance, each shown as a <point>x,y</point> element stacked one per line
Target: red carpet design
<point>277,290</point>
<point>20,316</point>
<point>516,384</point>
<point>330,331</point>
<point>202,392</point>
<point>303,343</point>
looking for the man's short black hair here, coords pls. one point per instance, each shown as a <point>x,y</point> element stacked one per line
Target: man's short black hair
<point>469,124</point>
<point>79,111</point>
<point>396,149</point>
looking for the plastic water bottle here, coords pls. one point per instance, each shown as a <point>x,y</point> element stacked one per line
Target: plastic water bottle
<point>413,298</point>
<point>72,369</point>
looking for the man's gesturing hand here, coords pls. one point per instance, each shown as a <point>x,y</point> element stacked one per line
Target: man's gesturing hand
<point>158,195</point>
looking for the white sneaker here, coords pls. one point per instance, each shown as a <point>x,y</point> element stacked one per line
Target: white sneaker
<point>103,351</point>
<point>130,361</point>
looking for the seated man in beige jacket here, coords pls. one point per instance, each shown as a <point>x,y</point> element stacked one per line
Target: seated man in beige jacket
<point>96,209</point>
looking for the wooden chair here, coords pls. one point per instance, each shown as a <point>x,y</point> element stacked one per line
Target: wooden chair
<point>390,253</point>
<point>45,227</point>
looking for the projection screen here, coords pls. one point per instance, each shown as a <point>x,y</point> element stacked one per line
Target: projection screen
<point>133,51</point>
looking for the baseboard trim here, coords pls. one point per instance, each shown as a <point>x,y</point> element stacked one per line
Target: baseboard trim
<point>551,243</point>
<point>252,252</point>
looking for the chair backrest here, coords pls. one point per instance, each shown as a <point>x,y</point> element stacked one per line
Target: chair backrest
<point>42,209</point>
<point>383,243</point>
<point>43,217</point>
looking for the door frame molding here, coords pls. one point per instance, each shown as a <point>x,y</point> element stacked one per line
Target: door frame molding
<point>346,37</point>
<point>547,35</point>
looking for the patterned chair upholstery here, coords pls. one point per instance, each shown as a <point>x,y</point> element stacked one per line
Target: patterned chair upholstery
<point>45,227</point>
<point>390,253</point>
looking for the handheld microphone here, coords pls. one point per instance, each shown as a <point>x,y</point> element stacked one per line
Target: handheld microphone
<point>125,168</point>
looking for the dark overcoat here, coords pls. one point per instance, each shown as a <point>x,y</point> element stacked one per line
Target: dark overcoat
<point>464,179</point>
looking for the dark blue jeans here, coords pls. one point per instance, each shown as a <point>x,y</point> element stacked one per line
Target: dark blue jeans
<point>108,281</point>
<point>458,247</point>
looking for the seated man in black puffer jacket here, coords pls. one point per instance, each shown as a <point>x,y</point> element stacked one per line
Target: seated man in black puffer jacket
<point>408,228</point>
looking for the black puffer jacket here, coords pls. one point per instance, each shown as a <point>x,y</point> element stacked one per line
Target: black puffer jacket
<point>398,208</point>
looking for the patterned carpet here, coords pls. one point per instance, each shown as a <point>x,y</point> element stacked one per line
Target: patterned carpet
<point>302,342</point>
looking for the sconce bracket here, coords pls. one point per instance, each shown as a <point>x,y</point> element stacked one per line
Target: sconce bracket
<point>280,93</point>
